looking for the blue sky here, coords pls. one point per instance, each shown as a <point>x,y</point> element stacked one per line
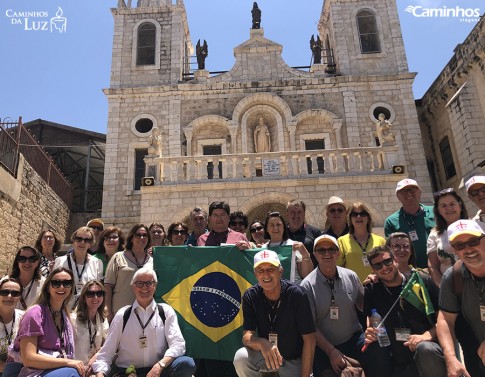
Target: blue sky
<point>60,76</point>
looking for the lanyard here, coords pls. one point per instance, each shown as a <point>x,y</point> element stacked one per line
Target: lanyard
<point>60,330</point>
<point>92,337</point>
<point>363,248</point>
<point>143,326</point>
<point>480,288</point>
<point>138,265</point>
<point>274,311</point>
<point>9,336</point>
<point>331,284</point>
<point>23,298</point>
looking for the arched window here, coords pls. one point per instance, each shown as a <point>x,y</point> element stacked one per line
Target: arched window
<point>368,33</point>
<point>146,39</point>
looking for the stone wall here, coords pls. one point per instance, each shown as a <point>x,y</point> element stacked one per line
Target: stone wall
<point>27,205</point>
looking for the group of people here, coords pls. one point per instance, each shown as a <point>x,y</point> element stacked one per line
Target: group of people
<point>91,312</point>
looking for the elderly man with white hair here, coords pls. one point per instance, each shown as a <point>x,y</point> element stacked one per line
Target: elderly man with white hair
<point>145,335</point>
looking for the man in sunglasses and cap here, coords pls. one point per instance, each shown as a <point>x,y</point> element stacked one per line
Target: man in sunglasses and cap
<point>475,188</point>
<point>336,212</point>
<point>145,335</point>
<point>463,293</point>
<point>278,329</point>
<point>414,350</point>
<point>335,294</point>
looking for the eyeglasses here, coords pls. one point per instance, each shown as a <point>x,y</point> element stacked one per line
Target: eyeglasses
<point>357,214</point>
<point>437,194</point>
<point>80,239</point>
<point>92,294</point>
<point>157,232</point>
<point>111,238</point>
<point>141,284</point>
<point>48,238</point>
<point>237,223</point>
<point>397,247</point>
<point>323,250</point>
<point>411,190</point>
<point>378,265</point>
<point>477,191</point>
<point>257,229</point>
<point>181,232</point>
<point>98,228</point>
<point>472,242</point>
<point>58,283</point>
<point>6,292</point>
<point>24,259</point>
<point>336,210</point>
<point>141,235</point>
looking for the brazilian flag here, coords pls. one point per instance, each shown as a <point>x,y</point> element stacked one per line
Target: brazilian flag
<point>417,295</point>
<point>205,286</point>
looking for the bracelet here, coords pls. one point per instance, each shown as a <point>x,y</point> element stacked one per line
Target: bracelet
<point>307,258</point>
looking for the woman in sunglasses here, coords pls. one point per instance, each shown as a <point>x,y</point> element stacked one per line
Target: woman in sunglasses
<point>26,269</point>
<point>84,266</point>
<point>177,234</point>
<point>48,244</point>
<point>360,239</point>
<point>45,341</point>
<point>10,293</point>
<point>110,242</point>
<point>90,323</point>
<point>448,208</point>
<point>257,233</point>
<point>122,267</point>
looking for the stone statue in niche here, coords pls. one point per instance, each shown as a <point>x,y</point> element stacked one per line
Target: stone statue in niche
<point>383,128</point>
<point>201,52</point>
<point>155,143</point>
<point>256,13</point>
<point>316,46</point>
<point>262,140</point>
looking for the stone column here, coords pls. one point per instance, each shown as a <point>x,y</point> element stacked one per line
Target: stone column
<point>233,132</point>
<point>337,127</point>
<point>188,136</point>
<point>292,130</point>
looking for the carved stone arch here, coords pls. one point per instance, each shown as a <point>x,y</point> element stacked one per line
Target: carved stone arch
<point>276,127</point>
<point>191,130</point>
<point>262,99</point>
<point>181,215</point>
<point>158,36</point>
<point>334,121</point>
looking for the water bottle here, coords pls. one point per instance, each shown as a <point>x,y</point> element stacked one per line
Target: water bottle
<point>375,320</point>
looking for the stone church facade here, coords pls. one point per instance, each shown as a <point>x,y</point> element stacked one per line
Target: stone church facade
<point>262,133</point>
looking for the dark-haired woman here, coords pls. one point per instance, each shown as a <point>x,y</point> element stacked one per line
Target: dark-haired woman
<point>448,208</point>
<point>110,242</point>
<point>256,230</point>
<point>123,266</point>
<point>277,232</point>
<point>177,234</point>
<point>26,269</point>
<point>45,341</point>
<point>90,323</point>
<point>10,293</point>
<point>48,244</point>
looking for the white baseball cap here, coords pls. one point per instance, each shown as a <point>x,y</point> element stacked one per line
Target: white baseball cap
<point>460,227</point>
<point>335,200</point>
<point>266,256</point>
<point>478,179</point>
<point>405,183</point>
<point>325,237</point>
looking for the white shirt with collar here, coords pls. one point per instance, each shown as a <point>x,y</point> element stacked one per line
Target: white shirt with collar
<point>479,217</point>
<point>161,340</point>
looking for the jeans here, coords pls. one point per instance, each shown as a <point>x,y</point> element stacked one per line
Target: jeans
<point>430,360</point>
<point>249,363</point>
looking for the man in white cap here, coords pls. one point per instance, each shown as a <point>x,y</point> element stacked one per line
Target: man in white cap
<point>413,218</point>
<point>279,333</point>
<point>475,188</point>
<point>335,293</point>
<point>463,292</point>
<point>97,226</point>
<point>336,212</point>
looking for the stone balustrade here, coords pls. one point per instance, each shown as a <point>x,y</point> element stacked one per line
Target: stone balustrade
<point>295,164</point>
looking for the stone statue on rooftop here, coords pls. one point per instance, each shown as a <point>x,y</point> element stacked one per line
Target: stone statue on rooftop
<point>202,52</point>
<point>316,46</point>
<point>155,143</point>
<point>256,13</point>
<point>383,129</point>
<point>262,140</point>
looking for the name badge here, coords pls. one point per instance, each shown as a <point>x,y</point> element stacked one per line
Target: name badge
<point>413,235</point>
<point>79,287</point>
<point>402,335</point>
<point>334,312</point>
<point>365,261</point>
<point>482,313</point>
<point>273,339</point>
<point>142,341</point>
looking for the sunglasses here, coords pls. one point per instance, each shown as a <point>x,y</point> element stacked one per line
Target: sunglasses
<point>238,223</point>
<point>397,247</point>
<point>58,283</point>
<point>48,238</point>
<point>405,191</point>
<point>6,292</point>
<point>24,259</point>
<point>473,242</point>
<point>111,238</point>
<point>92,294</point>
<point>98,228</point>
<point>386,262</point>
<point>357,214</point>
<point>141,235</point>
<point>477,191</point>
<point>323,250</point>
<point>336,210</point>
<point>179,232</point>
<point>257,229</point>
<point>273,214</point>
<point>80,239</point>
<point>437,194</point>
<point>158,232</point>
<point>141,284</point>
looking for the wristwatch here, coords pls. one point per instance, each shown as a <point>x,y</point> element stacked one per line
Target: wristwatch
<point>162,364</point>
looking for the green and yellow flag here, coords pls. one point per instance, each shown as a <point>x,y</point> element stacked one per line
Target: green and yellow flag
<point>417,295</point>
<point>205,286</point>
